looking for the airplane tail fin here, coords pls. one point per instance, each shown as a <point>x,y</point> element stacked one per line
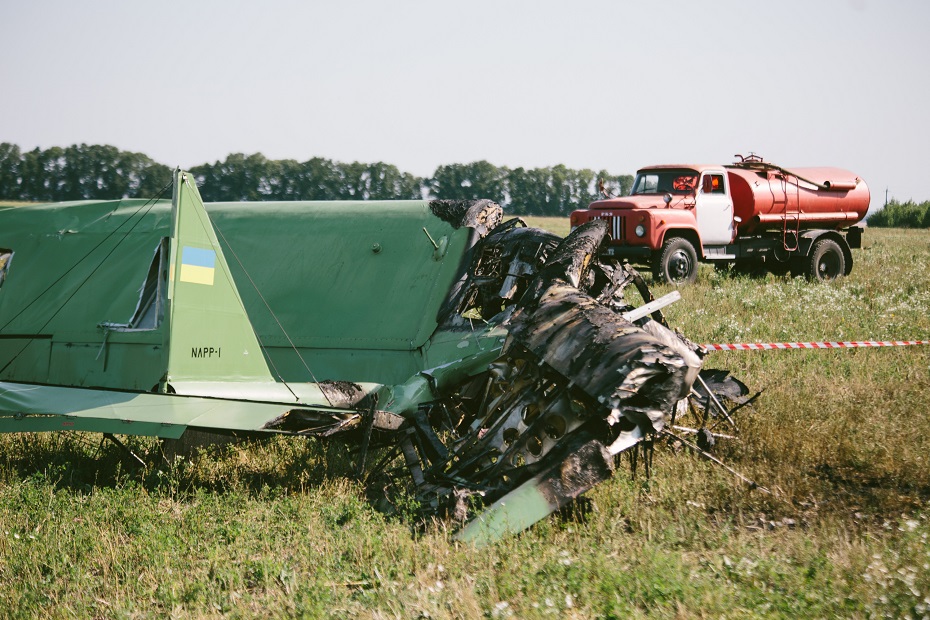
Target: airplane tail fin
<point>210,337</point>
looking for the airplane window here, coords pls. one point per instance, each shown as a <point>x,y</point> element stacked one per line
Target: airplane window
<point>151,307</point>
<point>151,302</point>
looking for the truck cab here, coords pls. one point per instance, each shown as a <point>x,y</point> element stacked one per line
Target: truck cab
<point>686,207</point>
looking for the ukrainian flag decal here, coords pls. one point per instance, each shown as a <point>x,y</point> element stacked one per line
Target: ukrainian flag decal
<point>197,265</point>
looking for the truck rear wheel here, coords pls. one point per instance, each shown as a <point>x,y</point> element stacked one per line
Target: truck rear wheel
<point>826,261</point>
<point>676,263</point>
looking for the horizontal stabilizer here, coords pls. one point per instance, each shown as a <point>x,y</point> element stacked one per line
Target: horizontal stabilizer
<point>36,408</point>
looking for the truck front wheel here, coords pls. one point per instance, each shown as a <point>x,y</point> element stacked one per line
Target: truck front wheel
<point>826,261</point>
<point>676,263</point>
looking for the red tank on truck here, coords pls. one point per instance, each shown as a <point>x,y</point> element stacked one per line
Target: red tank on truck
<point>749,216</point>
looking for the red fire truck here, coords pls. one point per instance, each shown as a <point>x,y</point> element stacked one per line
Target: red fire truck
<point>750,214</point>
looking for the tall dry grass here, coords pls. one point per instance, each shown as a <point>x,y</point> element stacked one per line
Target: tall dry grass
<point>279,528</point>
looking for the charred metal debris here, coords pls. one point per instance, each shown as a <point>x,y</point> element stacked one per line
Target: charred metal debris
<point>582,378</point>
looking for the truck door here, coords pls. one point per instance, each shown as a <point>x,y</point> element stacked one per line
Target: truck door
<point>713,209</point>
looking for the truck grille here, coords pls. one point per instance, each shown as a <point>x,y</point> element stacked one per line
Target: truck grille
<point>615,225</point>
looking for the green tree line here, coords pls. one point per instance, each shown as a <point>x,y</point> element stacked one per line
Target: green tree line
<point>907,214</point>
<point>78,172</point>
<point>81,172</point>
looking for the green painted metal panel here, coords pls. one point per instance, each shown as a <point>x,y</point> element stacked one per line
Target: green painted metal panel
<point>367,365</point>
<point>513,513</point>
<point>53,423</point>
<point>75,265</point>
<point>350,275</point>
<point>354,313</point>
<point>117,412</point>
<point>29,357</point>
<point>93,364</point>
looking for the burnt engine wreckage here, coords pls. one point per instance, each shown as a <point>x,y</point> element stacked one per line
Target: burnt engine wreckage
<point>524,370</point>
<point>576,382</point>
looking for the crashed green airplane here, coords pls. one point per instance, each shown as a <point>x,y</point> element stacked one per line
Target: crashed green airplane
<point>502,364</point>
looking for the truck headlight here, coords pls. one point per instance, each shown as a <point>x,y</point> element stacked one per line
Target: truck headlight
<point>640,230</point>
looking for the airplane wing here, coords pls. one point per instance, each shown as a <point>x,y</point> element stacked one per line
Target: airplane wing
<point>33,408</point>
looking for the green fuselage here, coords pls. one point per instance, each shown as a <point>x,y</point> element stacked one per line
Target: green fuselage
<point>352,288</point>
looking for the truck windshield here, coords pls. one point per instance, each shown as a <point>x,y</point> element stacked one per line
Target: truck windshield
<point>670,181</point>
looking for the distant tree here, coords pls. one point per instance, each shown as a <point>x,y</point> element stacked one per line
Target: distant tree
<point>146,178</point>
<point>558,190</point>
<point>353,181</point>
<point>573,189</point>
<point>616,185</point>
<point>901,215</point>
<point>626,184</point>
<point>377,181</point>
<point>78,172</point>
<point>284,176</point>
<point>528,190</point>
<point>315,179</point>
<point>450,182</point>
<point>238,177</point>
<point>42,175</point>
<point>387,182</point>
<point>323,179</point>
<point>92,171</point>
<point>10,161</point>
<point>480,179</point>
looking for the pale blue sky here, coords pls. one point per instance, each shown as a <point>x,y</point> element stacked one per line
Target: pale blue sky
<point>593,84</point>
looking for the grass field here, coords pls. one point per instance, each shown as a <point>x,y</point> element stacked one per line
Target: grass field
<point>280,529</point>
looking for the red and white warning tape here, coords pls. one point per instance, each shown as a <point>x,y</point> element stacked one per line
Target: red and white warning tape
<point>762,346</point>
